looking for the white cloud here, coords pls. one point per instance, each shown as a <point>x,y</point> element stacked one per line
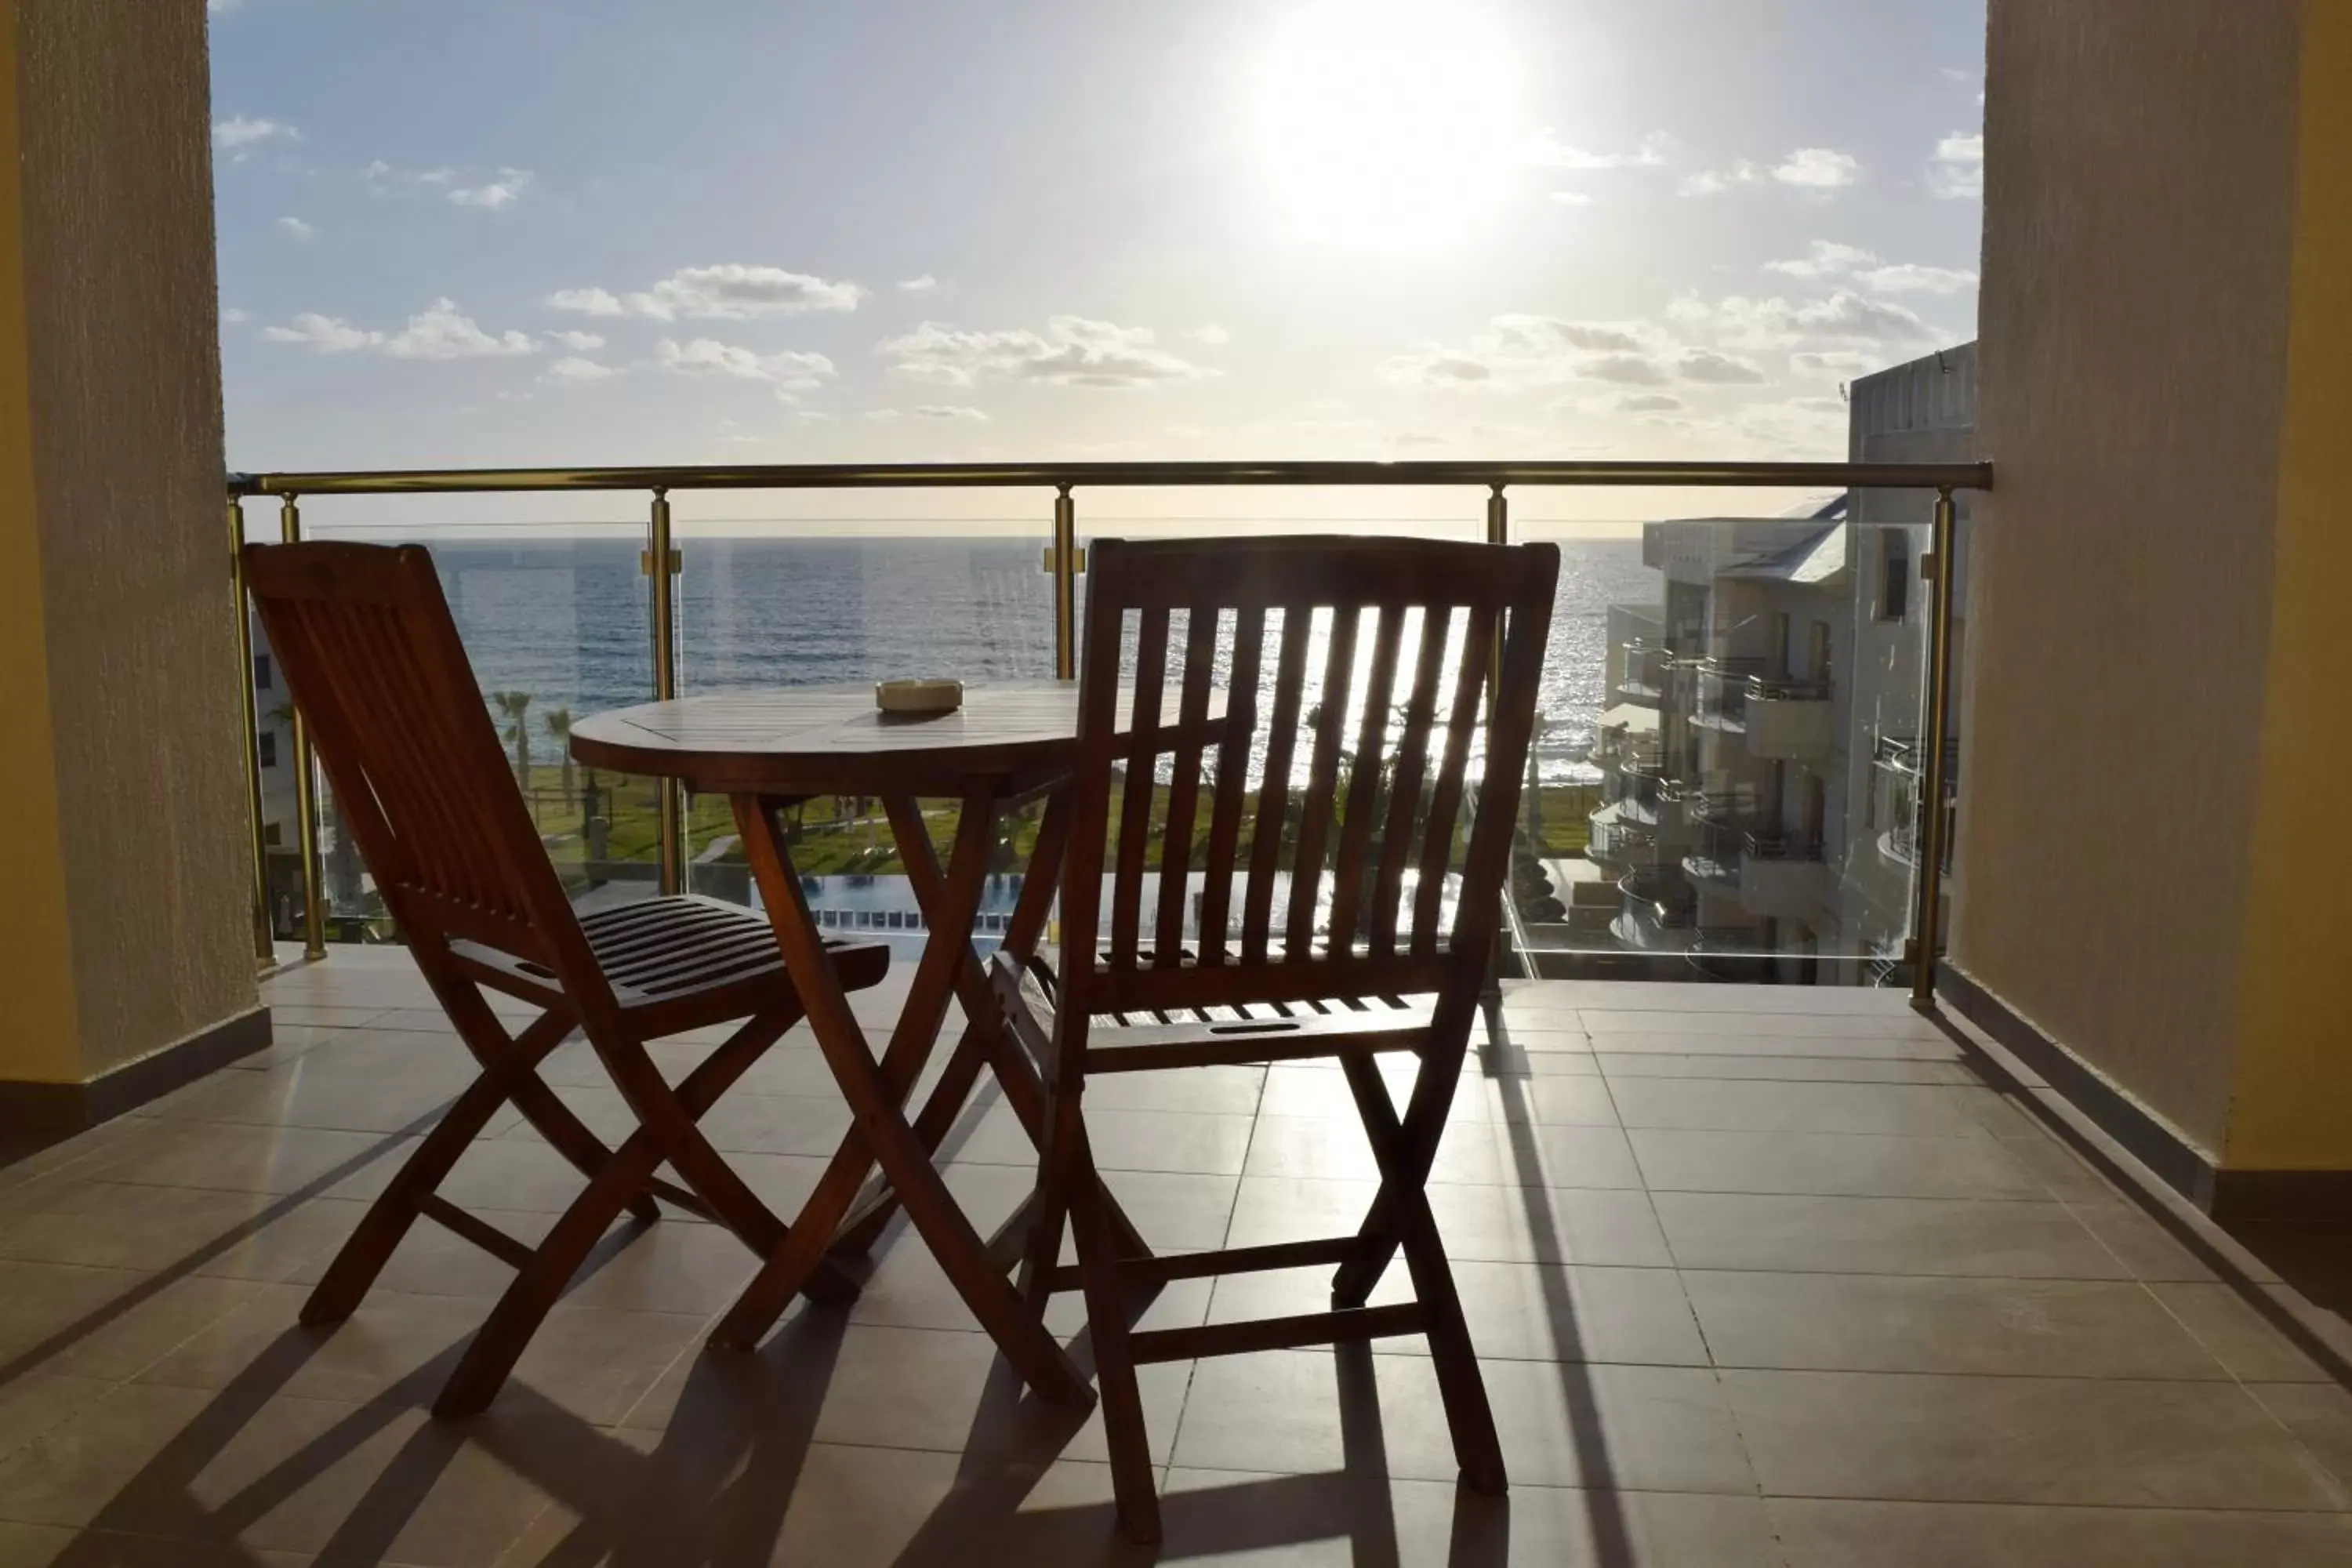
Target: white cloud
<point>582,341</point>
<point>1958,172</point>
<point>1818,168</point>
<point>587,302</point>
<point>1210,333</point>
<point>880,415</point>
<point>294,228</point>
<point>1073,351</point>
<point>232,316</point>
<point>240,133</point>
<point>328,334</point>
<point>949,411</point>
<point>1571,198</point>
<point>1844,319</point>
<point>578,372</point>
<point>1547,150</point>
<point>1717,369</point>
<point>1824,258</point>
<point>217,7</point>
<point>1518,351</point>
<point>440,332</point>
<point>1715,182</point>
<point>1907,278</point>
<point>1835,362</point>
<point>1626,402</point>
<point>732,291</point>
<point>788,372</point>
<point>922,285</point>
<point>502,192</point>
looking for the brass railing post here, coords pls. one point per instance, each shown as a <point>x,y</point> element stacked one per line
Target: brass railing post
<point>306,786</point>
<point>661,564</point>
<point>1063,563</point>
<point>1926,927</point>
<point>264,948</point>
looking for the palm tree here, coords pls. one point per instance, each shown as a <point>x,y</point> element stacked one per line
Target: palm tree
<point>516,706</point>
<point>559,724</point>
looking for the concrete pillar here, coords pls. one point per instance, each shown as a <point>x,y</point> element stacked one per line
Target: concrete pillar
<point>123,923</point>
<point>2156,834</point>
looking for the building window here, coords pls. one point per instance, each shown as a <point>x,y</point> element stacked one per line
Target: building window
<point>272,835</point>
<point>1894,574</point>
<point>261,672</point>
<point>267,749</point>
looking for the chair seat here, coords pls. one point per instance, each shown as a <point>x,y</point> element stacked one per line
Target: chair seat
<point>696,960</point>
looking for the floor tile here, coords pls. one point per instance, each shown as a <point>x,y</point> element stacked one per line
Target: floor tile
<point>1840,1164</point>
<point>1338,1147</point>
<point>241,1159</point>
<point>594,1362</point>
<point>1505,1225</point>
<point>1517,1311</point>
<point>2048,1327</point>
<point>1638,1427</point>
<point>1819,1533</point>
<point>2114,1444</point>
<point>1784,1069</point>
<point>2250,1345</point>
<point>118,1225</point>
<point>1882,1236</point>
<point>1740,1106</point>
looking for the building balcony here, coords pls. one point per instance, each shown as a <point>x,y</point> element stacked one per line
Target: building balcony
<point>1643,675</point>
<point>1777,719</point>
<point>1783,877</point>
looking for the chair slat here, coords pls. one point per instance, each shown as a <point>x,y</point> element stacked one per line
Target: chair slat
<point>1322,779</point>
<point>1364,778</point>
<point>1135,804</point>
<point>1233,780</point>
<point>1446,795</point>
<point>1274,789</point>
<point>1412,769</point>
<point>1184,784</point>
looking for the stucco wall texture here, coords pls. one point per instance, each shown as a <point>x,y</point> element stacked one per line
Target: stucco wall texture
<point>2139,231</point>
<point>123,371</point>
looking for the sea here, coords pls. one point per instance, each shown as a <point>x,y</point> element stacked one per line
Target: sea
<point>566,618</point>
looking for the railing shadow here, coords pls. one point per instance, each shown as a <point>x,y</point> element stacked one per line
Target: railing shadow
<point>1612,1537</point>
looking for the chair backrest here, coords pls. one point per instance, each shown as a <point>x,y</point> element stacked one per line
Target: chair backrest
<point>366,639</point>
<point>1378,696</point>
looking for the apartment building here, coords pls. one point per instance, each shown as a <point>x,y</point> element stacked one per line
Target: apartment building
<point>1760,762</point>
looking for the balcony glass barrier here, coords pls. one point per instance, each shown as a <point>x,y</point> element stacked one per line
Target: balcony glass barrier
<point>1725,779</point>
<point>1712,796</point>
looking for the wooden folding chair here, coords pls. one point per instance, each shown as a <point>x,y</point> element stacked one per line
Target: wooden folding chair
<point>1411,666</point>
<point>376,668</point>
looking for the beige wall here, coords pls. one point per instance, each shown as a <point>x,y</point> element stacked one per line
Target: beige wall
<point>2128,624</point>
<point>114,366</point>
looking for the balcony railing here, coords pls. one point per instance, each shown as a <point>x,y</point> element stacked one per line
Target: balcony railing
<point>1646,667</point>
<point>652,623</point>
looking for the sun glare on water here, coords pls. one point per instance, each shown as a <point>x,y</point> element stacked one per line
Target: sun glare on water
<point>1385,125</point>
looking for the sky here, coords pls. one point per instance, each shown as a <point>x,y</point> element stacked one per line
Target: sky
<point>565,232</point>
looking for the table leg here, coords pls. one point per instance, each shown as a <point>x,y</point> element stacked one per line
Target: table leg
<point>876,1094</point>
<point>985,1040</point>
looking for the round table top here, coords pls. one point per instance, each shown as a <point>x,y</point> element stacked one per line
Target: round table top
<point>831,740</point>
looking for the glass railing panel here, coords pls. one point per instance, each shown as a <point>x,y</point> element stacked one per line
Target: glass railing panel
<point>1712,796</point>
<point>553,614</point>
<point>847,601</point>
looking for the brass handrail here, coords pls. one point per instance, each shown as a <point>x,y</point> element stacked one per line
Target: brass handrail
<point>943,475</point>
<point>1064,558</point>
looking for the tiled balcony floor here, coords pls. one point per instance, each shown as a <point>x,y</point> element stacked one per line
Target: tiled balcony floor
<point>1759,1276</point>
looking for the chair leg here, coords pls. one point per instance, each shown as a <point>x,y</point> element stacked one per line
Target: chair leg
<point>364,1253</point>
<point>1132,1481</point>
<point>1460,1387</point>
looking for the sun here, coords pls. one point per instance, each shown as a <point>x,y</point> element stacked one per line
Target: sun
<point>1385,125</point>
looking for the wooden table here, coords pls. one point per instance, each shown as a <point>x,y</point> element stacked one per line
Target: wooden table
<point>1009,743</point>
